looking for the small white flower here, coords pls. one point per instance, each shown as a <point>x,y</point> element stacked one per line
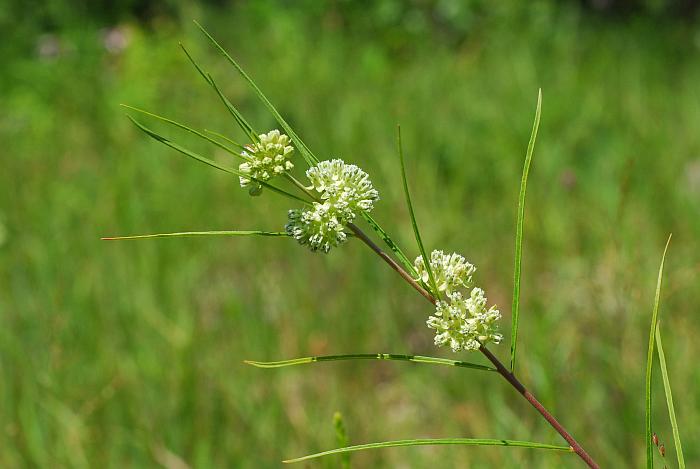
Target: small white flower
<point>344,186</point>
<point>451,271</point>
<point>319,228</point>
<point>465,324</point>
<point>345,191</point>
<point>264,159</point>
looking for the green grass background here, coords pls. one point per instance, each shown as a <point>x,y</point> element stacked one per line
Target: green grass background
<point>129,354</point>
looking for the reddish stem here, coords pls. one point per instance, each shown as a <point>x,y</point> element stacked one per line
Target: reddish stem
<point>502,370</point>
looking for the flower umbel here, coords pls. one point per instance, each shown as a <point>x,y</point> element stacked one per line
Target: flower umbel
<point>345,190</point>
<point>460,323</point>
<point>268,157</point>
<point>345,186</point>
<point>451,271</point>
<point>319,228</point>
<point>465,324</point>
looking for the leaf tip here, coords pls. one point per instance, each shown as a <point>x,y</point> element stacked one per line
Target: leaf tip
<point>254,363</point>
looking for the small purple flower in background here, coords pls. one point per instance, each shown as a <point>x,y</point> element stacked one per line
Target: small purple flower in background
<point>115,39</point>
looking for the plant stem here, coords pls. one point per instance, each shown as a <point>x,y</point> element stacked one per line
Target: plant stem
<point>502,370</point>
<point>392,263</point>
<point>510,377</point>
<point>301,187</point>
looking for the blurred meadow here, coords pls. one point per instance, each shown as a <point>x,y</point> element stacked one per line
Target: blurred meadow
<point>129,354</point>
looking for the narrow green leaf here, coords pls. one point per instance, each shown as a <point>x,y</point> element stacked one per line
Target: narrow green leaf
<point>181,149</point>
<point>369,356</point>
<point>191,130</point>
<point>303,149</point>
<point>196,65</point>
<point>341,437</point>
<point>416,232</point>
<point>434,441</point>
<point>224,137</point>
<point>242,123</point>
<point>238,117</point>
<point>669,400</point>
<point>184,234</point>
<point>208,161</point>
<point>519,232</point>
<point>650,357</point>
<point>390,243</point>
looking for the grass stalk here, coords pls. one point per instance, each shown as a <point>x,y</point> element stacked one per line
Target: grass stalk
<point>650,358</point>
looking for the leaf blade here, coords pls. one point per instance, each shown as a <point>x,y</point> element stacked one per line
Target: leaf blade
<point>650,358</point>
<point>185,234</point>
<point>368,356</point>
<point>190,130</point>
<point>208,161</point>
<point>303,149</point>
<point>669,400</point>
<point>519,233</point>
<point>238,117</point>
<point>414,223</point>
<point>433,441</point>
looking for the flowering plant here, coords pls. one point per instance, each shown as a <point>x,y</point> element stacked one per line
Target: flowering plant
<point>339,194</point>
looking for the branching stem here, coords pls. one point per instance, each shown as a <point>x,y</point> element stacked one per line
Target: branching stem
<point>502,370</point>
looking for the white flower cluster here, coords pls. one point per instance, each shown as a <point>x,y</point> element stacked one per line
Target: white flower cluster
<point>345,186</point>
<point>450,271</point>
<point>345,191</point>
<point>264,159</point>
<point>460,323</point>
<point>319,228</point>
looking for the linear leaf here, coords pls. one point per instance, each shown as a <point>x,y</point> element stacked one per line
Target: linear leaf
<point>434,441</point>
<point>223,137</point>
<point>390,242</point>
<point>237,115</point>
<point>209,161</point>
<point>369,356</point>
<point>303,149</point>
<point>416,232</point>
<point>184,234</point>
<point>519,232</point>
<point>650,357</point>
<point>242,123</point>
<point>191,130</point>
<point>669,400</point>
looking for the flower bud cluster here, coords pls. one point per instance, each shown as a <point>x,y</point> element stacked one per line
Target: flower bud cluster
<point>460,323</point>
<point>268,157</point>
<point>345,190</point>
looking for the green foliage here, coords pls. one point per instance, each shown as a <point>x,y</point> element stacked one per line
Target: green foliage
<point>519,233</point>
<point>433,441</point>
<point>650,358</point>
<point>369,356</point>
<point>669,400</point>
<point>426,260</point>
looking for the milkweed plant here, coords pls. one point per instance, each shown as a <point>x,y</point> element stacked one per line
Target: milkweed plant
<point>323,214</point>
